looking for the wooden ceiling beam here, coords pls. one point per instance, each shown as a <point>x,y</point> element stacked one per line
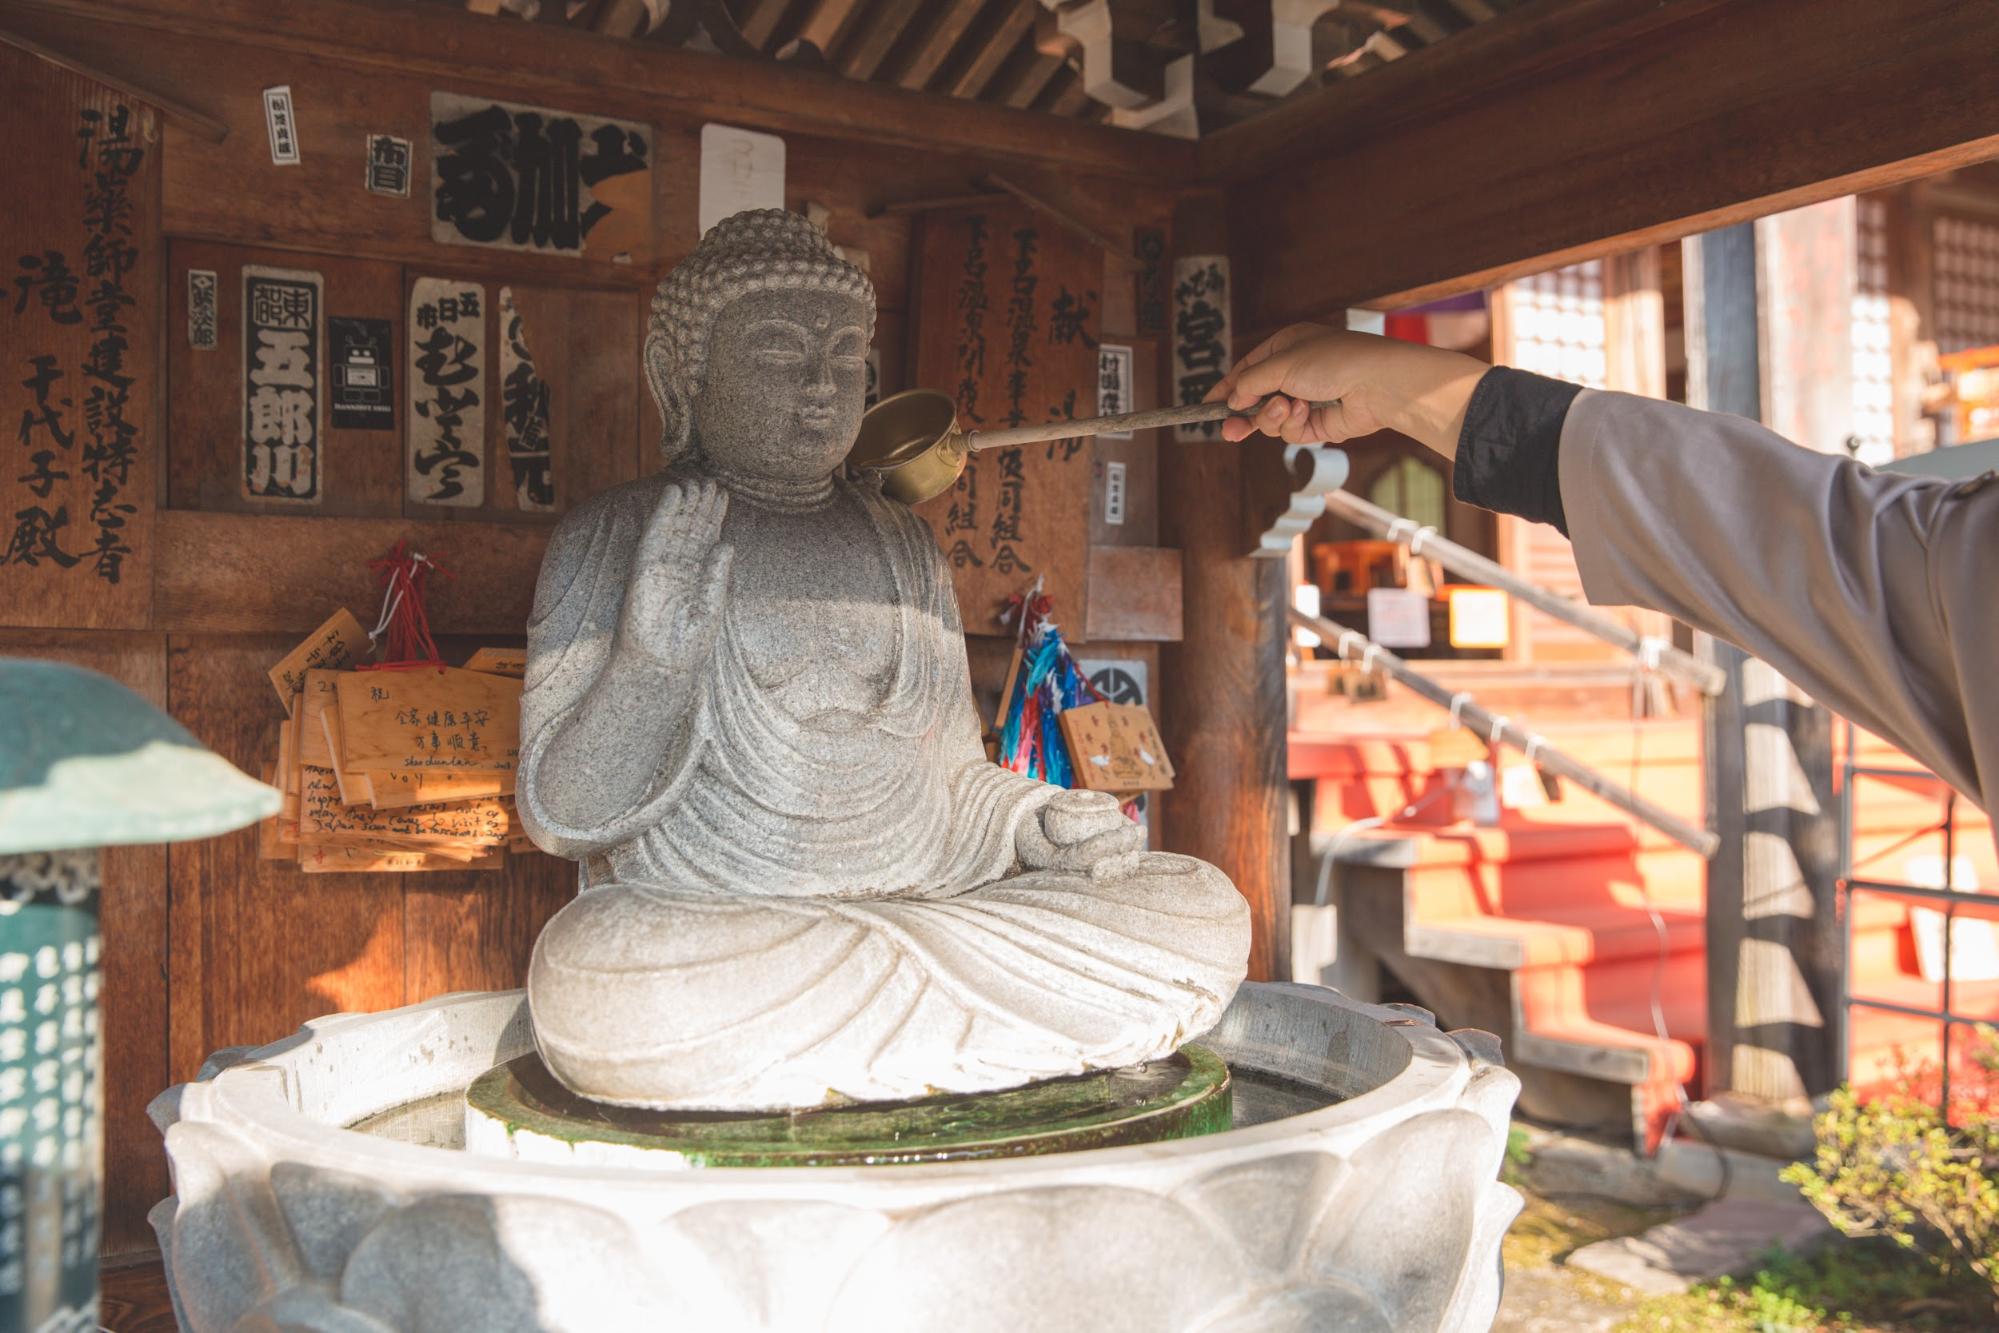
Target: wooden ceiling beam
<point>882,25</point>
<point>826,23</point>
<point>1013,26</point>
<point>1679,125</point>
<point>561,67</point>
<point>1035,75</point>
<point>759,19</point>
<point>939,40</point>
<point>1514,50</point>
<point>1073,100</point>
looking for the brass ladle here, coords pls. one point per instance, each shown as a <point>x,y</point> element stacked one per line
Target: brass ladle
<point>912,440</point>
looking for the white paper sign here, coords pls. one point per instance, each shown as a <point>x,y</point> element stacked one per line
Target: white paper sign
<point>446,463</point>
<point>740,169</point>
<point>1114,386</point>
<point>281,123</point>
<point>1398,618</point>
<point>1480,617</point>
<point>203,309</point>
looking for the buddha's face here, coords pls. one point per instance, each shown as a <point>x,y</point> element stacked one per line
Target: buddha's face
<point>786,379</point>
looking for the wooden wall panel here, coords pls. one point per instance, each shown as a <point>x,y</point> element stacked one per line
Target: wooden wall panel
<point>80,246</point>
<point>271,945</point>
<point>360,470</point>
<point>134,922</point>
<point>251,573</point>
<point>474,930</point>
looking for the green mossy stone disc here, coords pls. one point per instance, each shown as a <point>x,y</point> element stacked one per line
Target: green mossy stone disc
<point>1184,1095</point>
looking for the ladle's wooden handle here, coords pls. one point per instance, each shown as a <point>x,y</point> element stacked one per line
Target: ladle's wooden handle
<point>1158,417</point>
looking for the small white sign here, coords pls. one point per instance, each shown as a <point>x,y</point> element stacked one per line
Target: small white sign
<point>1114,388</point>
<point>740,169</point>
<point>1480,617</point>
<point>1114,493</point>
<point>203,301</point>
<point>1398,618</point>
<point>389,160</point>
<point>282,124</point>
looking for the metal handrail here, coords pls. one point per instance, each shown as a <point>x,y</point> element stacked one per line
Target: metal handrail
<point>1950,896</point>
<point>1499,729</point>
<point>1653,654</point>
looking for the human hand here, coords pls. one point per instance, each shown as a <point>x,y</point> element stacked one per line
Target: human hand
<point>1379,383</point>
<point>1082,832</point>
<point>673,605</point>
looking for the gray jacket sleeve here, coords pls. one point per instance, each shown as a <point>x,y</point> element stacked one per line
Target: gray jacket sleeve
<point>1874,593</point>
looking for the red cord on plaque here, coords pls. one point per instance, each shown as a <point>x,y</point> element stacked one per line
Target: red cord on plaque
<point>402,632</point>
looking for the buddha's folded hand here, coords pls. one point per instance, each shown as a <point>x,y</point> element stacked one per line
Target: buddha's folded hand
<point>679,579</point>
<point>1082,832</point>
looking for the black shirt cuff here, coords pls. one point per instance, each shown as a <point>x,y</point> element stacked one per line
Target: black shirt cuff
<point>1508,450</point>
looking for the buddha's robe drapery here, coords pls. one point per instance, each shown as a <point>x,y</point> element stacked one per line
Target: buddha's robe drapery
<point>822,899</point>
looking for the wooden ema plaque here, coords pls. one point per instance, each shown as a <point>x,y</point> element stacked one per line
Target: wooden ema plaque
<point>334,646</point>
<point>1008,311</point>
<point>1116,748</point>
<point>431,720</point>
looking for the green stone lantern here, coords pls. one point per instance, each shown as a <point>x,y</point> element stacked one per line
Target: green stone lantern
<point>84,764</point>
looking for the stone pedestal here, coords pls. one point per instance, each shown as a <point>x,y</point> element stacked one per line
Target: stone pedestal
<point>520,1110</point>
<point>1375,1206</point>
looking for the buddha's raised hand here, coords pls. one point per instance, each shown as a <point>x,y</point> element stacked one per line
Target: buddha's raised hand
<point>679,578</point>
<point>1084,832</point>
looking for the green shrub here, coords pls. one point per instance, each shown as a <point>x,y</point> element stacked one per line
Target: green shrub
<point>1895,1166</point>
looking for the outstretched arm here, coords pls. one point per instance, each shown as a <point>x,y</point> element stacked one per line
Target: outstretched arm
<point>1865,589</point>
<point>1869,590</point>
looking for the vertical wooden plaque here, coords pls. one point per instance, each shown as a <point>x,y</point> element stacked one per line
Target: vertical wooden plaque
<point>1007,318</point>
<point>80,260</point>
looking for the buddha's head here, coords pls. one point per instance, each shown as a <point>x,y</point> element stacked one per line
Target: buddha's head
<point>757,349</point>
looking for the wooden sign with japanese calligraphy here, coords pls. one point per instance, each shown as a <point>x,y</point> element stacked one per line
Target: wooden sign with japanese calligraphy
<point>527,178</point>
<point>524,411</point>
<point>79,338</point>
<point>447,386</point>
<point>426,719</point>
<point>1007,320</point>
<point>284,383</point>
<point>1201,352</point>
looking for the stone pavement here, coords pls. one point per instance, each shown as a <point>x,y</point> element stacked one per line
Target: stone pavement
<point>1726,1236</point>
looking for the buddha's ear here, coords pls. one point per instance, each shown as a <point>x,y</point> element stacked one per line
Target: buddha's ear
<point>674,413</point>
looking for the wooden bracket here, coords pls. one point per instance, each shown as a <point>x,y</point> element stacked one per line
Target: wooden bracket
<point>1274,55</point>
<point>1117,71</point>
<point>1284,491</point>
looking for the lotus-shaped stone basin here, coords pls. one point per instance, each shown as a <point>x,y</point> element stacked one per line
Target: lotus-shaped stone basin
<point>1377,1209</point>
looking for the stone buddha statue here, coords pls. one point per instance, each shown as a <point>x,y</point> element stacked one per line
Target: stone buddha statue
<point>748,713</point>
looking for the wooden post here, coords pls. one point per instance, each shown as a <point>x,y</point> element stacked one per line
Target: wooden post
<point>1772,934</point>
<point>1223,714</point>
